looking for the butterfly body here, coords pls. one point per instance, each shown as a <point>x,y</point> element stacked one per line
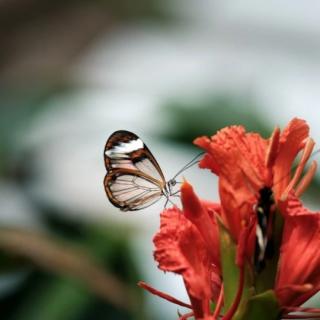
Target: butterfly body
<point>134,179</point>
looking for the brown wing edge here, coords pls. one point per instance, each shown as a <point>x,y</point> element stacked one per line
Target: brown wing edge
<point>122,135</point>
<point>125,137</point>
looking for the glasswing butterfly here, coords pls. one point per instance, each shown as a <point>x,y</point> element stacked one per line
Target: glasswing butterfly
<point>134,179</point>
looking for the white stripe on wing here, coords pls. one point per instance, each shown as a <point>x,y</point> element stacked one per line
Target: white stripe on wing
<point>124,148</point>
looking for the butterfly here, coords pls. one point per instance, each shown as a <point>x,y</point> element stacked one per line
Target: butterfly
<point>134,179</point>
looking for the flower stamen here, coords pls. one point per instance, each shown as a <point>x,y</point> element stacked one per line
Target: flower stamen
<point>301,309</point>
<point>301,316</point>
<point>305,157</point>
<point>219,304</point>
<point>306,180</point>
<point>273,147</point>
<point>163,295</point>
<point>298,288</point>
<point>186,316</point>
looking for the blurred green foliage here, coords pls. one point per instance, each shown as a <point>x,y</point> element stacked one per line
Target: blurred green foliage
<point>48,296</point>
<point>18,109</point>
<point>187,120</point>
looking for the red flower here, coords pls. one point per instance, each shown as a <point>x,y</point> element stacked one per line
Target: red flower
<point>254,175</point>
<point>246,163</point>
<point>187,244</point>
<point>298,276</point>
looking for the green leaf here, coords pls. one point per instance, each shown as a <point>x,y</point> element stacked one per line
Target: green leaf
<point>230,271</point>
<point>60,298</point>
<point>263,306</point>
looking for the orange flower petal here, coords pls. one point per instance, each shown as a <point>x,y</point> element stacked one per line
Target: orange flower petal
<point>180,248</point>
<point>299,255</point>
<point>199,216</point>
<point>208,161</point>
<point>291,142</point>
<point>239,159</point>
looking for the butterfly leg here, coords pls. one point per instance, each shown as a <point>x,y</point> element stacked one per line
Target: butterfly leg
<point>165,205</point>
<point>171,202</point>
<point>175,193</point>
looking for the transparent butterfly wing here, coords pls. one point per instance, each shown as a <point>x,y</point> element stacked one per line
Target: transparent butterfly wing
<point>130,191</point>
<point>134,179</point>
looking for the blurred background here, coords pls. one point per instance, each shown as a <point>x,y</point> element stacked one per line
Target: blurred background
<point>71,73</point>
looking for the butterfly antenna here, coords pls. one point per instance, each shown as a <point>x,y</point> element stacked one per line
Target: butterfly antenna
<point>189,164</point>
